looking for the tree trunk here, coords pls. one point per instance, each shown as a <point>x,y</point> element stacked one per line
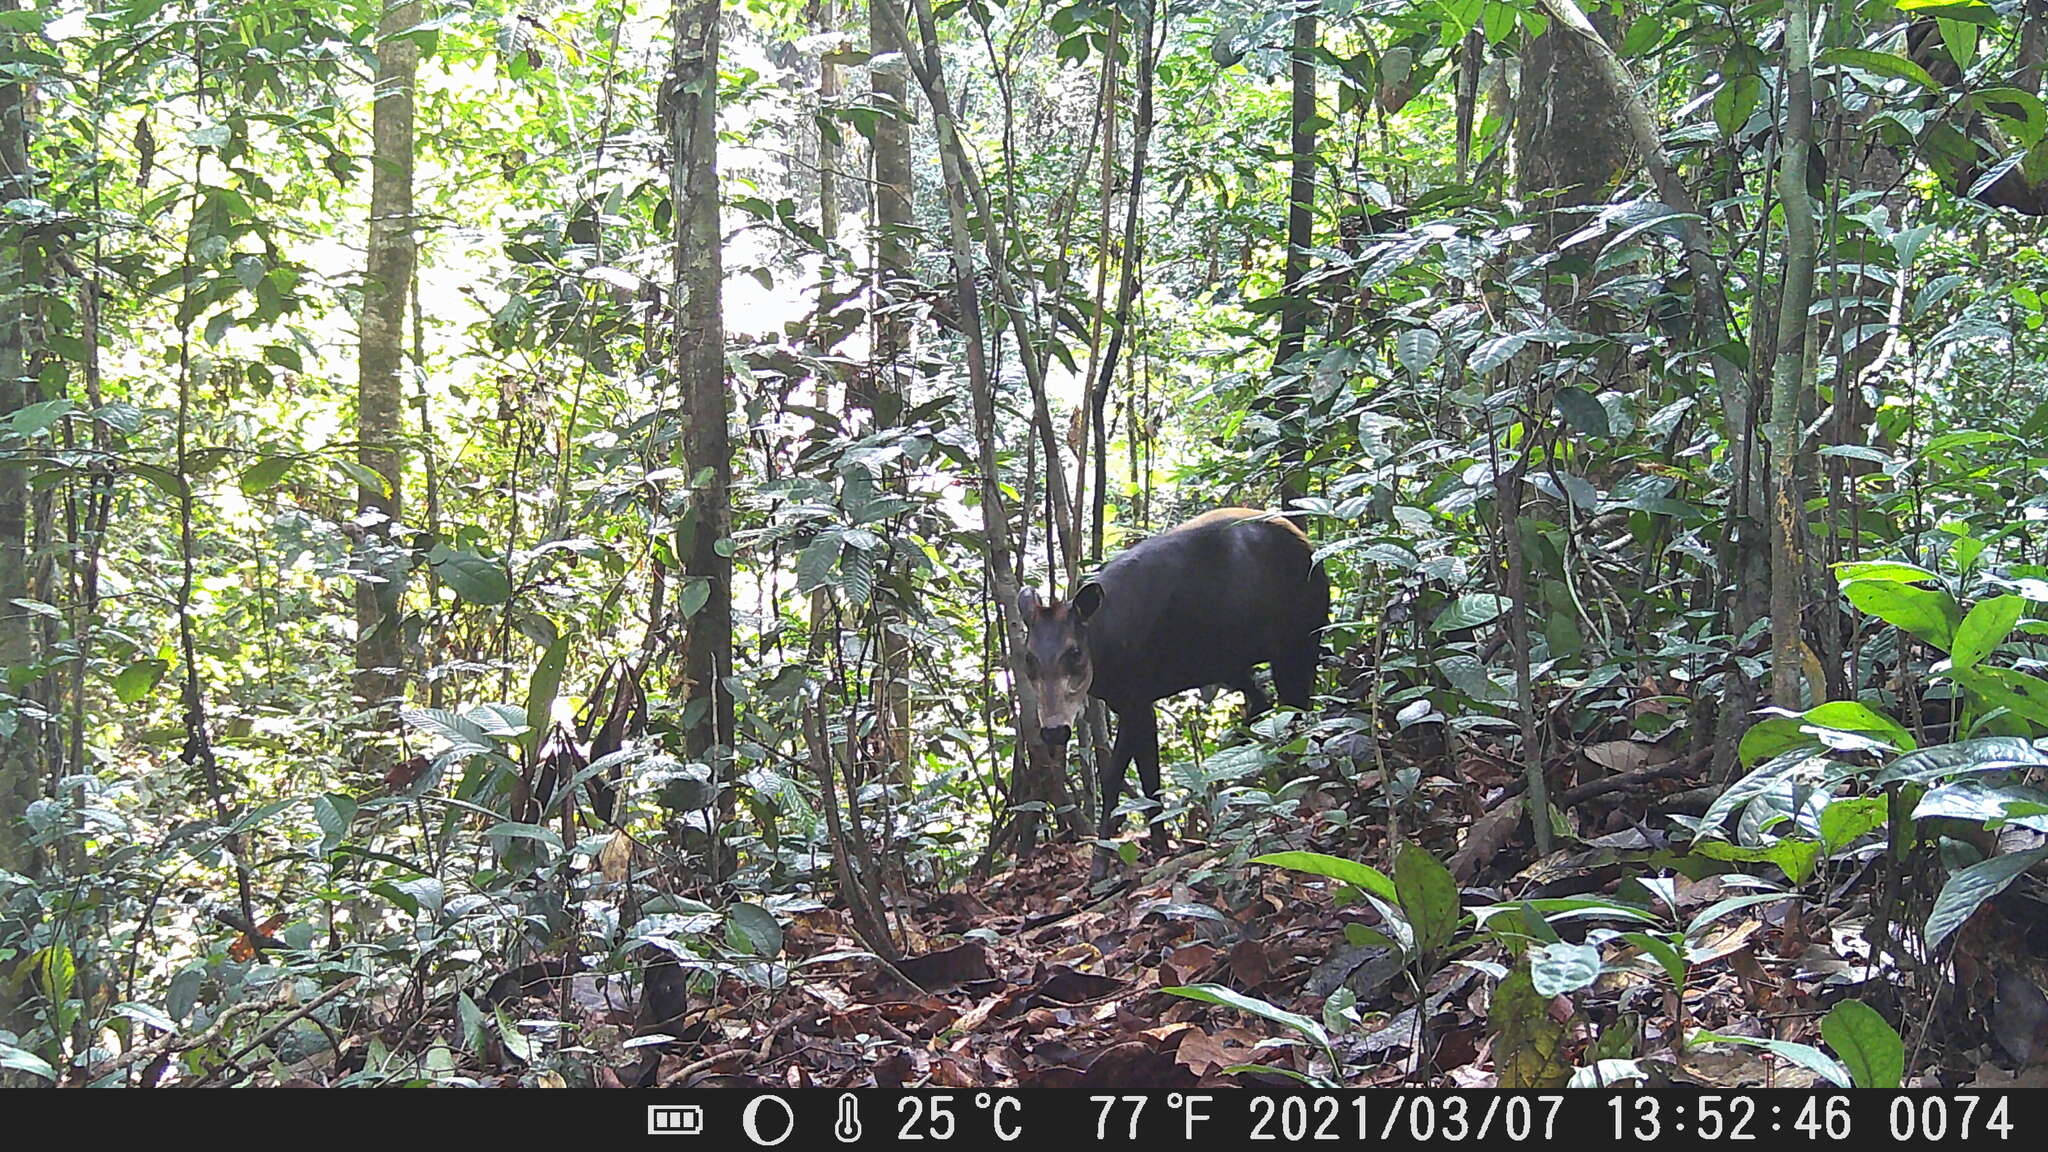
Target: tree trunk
<point>1044,780</point>
<point>20,780</point>
<point>387,283</point>
<point>705,530</point>
<point>1789,384</point>
<point>1301,220</point>
<point>881,392</point>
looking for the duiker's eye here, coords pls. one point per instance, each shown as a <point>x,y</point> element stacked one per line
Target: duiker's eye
<point>1073,657</point>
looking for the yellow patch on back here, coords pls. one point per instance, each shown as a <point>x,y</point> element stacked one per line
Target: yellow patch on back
<point>1232,515</point>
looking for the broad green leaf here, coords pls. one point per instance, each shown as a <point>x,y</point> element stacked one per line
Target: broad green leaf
<point>267,473</point>
<point>336,813</point>
<point>1897,571</point>
<point>1583,411</point>
<point>1230,998</point>
<point>1428,895</point>
<point>1983,754</point>
<point>1470,611</point>
<point>474,577</point>
<point>1878,64</point>
<point>1363,876</point>
<point>139,679</point>
<point>1527,1049</point>
<point>1987,625</point>
<point>1870,1047</point>
<point>753,930</point>
<point>1842,822</point>
<point>1930,614</point>
<point>1663,952</point>
<point>1973,799</point>
<point>1417,348</point>
<point>2024,695</point>
<point>22,1060</point>
<point>1796,858</point>
<point>541,689</point>
<point>1804,1055</point>
<point>1562,968</point>
<point>1968,888</point>
<point>1789,766</point>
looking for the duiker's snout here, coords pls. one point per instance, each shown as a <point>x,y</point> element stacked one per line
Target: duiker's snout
<point>1056,737</point>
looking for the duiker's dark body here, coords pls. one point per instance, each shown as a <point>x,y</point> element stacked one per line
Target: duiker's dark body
<point>1202,604</point>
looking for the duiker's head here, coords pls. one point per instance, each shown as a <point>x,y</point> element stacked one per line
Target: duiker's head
<point>1056,658</point>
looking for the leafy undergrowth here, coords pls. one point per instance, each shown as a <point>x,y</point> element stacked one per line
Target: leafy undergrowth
<point>1032,980</point>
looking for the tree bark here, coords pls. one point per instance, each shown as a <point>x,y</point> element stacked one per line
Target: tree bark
<point>1789,384</point>
<point>881,391</point>
<point>1301,220</point>
<point>705,529</point>
<point>20,779</point>
<point>387,283</point>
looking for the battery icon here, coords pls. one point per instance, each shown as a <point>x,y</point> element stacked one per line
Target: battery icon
<point>674,1120</point>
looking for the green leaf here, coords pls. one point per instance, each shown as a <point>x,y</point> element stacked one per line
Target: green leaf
<point>1974,799</point>
<point>267,473</point>
<point>2025,696</point>
<point>1561,968</point>
<point>1583,411</point>
<point>1791,765</point>
<point>1363,876</point>
<point>1872,1049</point>
<point>1229,998</point>
<point>1930,614</point>
<point>541,689</point>
<point>1795,858</point>
<point>1417,349</point>
<point>517,830</point>
<point>1804,1055</point>
<point>693,596</point>
<point>336,813</point>
<point>1893,570</point>
<point>22,1060</point>
<point>1968,888</point>
<point>1470,611</point>
<point>1878,64</point>
<point>34,419</point>
<point>1528,1047</point>
<point>1983,754</point>
<point>1428,895</point>
<point>139,679</point>
<point>1842,822</point>
<point>1663,952</point>
<point>1780,733</point>
<point>474,577</point>
<point>1987,626</point>
<point>753,930</point>
<point>1735,100</point>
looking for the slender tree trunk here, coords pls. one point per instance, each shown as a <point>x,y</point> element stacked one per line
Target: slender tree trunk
<point>1301,219</point>
<point>1127,280</point>
<point>882,391</point>
<point>20,780</point>
<point>705,531</point>
<point>1789,384</point>
<point>1046,782</point>
<point>387,284</point>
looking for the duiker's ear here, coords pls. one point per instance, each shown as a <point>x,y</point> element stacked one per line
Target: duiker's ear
<point>1027,602</point>
<point>1088,599</point>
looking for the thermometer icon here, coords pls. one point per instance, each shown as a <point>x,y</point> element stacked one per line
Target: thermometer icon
<point>847,1126</point>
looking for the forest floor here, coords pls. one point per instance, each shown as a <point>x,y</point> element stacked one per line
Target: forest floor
<point>1036,980</point>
